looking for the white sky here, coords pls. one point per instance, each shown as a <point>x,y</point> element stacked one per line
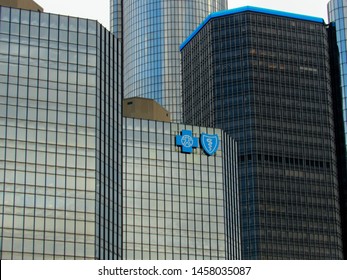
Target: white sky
<point>100,9</point>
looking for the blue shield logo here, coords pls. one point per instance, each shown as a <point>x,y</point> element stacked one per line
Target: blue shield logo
<point>209,143</point>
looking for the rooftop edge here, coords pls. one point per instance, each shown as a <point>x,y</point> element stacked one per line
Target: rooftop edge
<point>248,9</point>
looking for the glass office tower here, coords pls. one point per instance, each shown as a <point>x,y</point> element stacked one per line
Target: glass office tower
<point>60,135</point>
<point>179,204</point>
<point>152,32</point>
<point>263,76</point>
<point>337,13</point>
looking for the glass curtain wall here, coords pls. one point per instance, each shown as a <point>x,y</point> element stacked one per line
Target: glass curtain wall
<point>152,33</point>
<point>60,152</point>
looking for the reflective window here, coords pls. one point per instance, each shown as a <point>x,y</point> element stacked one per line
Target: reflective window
<point>261,62</point>
<point>52,139</point>
<point>164,212</point>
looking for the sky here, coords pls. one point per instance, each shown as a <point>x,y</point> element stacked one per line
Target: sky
<point>100,9</point>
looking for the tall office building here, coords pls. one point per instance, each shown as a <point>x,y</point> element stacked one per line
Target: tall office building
<point>337,13</point>
<point>60,135</point>
<point>263,76</point>
<point>181,198</point>
<point>152,32</point>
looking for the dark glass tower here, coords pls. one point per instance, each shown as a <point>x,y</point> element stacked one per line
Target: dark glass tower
<point>264,77</point>
<point>61,138</point>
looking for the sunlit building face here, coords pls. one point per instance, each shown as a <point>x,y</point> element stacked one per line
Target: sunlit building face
<point>60,151</point>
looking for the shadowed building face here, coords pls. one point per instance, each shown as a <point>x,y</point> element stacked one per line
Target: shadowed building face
<point>264,77</point>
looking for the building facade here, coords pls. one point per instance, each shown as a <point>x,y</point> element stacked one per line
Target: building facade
<point>61,134</point>
<point>144,108</point>
<point>337,13</point>
<point>152,32</point>
<point>179,202</point>
<point>263,76</point>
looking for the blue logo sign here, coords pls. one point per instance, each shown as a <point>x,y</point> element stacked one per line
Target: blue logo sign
<point>209,143</point>
<point>187,141</point>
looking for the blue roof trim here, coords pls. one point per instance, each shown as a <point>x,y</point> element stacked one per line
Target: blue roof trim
<point>248,9</point>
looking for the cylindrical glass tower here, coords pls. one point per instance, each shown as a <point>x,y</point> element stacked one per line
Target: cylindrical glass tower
<point>152,32</point>
<point>337,12</point>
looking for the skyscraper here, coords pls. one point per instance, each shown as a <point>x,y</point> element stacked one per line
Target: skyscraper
<point>179,204</point>
<point>152,32</point>
<point>337,13</point>
<point>60,135</point>
<point>264,77</point>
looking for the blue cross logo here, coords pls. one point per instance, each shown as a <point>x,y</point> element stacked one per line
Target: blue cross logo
<point>187,141</point>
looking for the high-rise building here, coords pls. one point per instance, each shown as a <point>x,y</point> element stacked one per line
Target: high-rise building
<point>60,135</point>
<point>337,13</point>
<point>181,198</point>
<point>263,76</point>
<point>152,32</point>
<point>61,192</point>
